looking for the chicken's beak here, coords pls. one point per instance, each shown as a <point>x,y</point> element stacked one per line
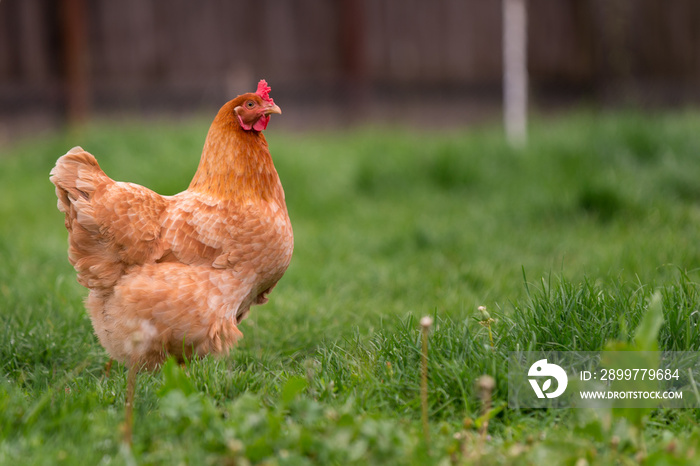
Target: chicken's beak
<point>272,109</point>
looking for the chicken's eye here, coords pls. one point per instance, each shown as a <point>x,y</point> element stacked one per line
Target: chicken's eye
<point>250,104</point>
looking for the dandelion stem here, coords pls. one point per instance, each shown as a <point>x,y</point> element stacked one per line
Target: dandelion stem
<point>485,385</point>
<point>486,321</point>
<point>425,323</point>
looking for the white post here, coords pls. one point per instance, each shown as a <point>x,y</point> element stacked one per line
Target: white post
<point>515,70</point>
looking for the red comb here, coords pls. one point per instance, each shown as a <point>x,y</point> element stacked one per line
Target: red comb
<point>264,91</point>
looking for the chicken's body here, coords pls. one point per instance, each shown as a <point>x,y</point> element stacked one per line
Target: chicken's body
<point>174,275</point>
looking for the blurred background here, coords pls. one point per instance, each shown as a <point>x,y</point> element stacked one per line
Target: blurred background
<point>335,62</point>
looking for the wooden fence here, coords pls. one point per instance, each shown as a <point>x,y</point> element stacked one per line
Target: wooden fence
<point>180,53</point>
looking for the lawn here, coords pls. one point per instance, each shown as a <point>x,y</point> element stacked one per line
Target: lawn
<point>564,241</point>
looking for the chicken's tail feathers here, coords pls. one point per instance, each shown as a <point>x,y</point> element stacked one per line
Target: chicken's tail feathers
<point>78,178</point>
<point>111,225</point>
<point>77,175</point>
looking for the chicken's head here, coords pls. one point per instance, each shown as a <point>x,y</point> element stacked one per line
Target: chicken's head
<point>253,110</point>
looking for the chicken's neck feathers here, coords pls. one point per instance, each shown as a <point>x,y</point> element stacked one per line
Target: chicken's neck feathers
<point>236,165</point>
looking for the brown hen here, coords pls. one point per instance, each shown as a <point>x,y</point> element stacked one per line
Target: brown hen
<point>175,275</point>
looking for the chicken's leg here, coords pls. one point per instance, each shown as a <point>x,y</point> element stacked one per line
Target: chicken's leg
<point>108,367</point>
<point>129,405</point>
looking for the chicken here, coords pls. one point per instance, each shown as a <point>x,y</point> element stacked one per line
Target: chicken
<point>175,275</point>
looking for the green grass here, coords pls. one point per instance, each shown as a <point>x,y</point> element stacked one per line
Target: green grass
<point>564,242</point>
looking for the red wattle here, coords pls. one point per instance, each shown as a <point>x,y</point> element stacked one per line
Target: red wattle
<point>243,125</point>
<point>262,122</point>
<point>259,125</point>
